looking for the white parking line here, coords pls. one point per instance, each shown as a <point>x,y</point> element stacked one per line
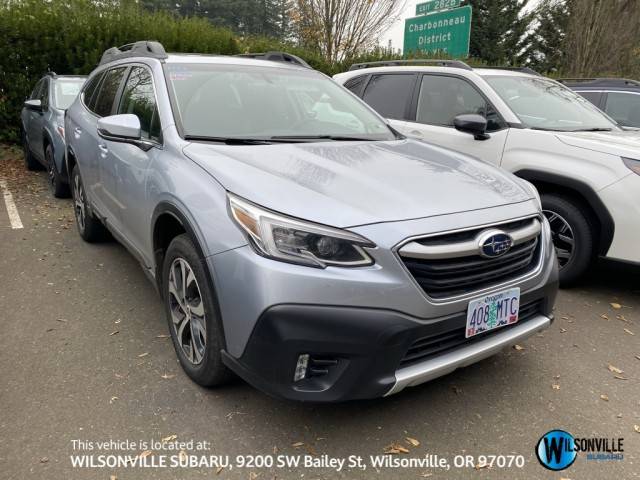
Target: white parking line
<point>12,210</point>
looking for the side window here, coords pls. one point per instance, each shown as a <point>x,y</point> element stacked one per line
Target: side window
<point>35,95</point>
<point>108,90</point>
<point>44,94</point>
<point>443,98</point>
<point>389,94</point>
<point>624,108</point>
<point>138,98</point>
<point>356,84</point>
<point>90,88</point>
<point>593,97</point>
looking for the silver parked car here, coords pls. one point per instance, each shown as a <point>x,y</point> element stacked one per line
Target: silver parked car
<point>42,122</point>
<point>295,238</point>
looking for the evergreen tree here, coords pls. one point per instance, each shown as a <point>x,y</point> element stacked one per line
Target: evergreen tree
<point>499,31</point>
<point>546,52</point>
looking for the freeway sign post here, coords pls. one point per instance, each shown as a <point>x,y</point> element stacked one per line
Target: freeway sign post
<point>436,5</point>
<point>445,32</point>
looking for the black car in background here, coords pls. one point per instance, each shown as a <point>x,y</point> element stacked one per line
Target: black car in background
<point>618,97</point>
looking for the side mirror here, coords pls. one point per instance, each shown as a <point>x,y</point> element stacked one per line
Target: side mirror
<point>472,123</point>
<point>34,104</point>
<point>120,128</point>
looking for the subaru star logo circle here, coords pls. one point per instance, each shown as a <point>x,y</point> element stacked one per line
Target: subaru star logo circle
<point>494,243</point>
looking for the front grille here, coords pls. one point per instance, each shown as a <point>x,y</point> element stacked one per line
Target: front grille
<point>449,277</point>
<point>426,347</point>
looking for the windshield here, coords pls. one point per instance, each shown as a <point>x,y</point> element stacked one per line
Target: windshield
<point>240,101</point>
<point>546,105</point>
<point>65,91</point>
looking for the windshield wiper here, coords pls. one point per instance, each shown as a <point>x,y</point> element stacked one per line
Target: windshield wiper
<point>229,140</point>
<point>311,138</point>
<point>596,129</point>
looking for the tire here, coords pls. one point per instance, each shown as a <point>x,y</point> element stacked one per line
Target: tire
<point>59,189</point>
<point>30,161</point>
<point>89,226</point>
<point>573,236</point>
<point>199,352</point>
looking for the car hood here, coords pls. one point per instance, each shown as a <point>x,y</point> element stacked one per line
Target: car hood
<point>356,183</point>
<point>623,144</point>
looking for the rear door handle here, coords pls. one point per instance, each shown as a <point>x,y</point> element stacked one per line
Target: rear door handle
<point>77,132</point>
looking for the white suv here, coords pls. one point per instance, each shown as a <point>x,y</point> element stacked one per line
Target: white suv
<point>586,167</point>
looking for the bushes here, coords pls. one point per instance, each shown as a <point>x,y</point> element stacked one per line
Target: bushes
<point>69,38</point>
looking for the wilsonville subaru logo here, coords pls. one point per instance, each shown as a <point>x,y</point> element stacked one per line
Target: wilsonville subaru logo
<point>495,243</point>
<point>556,450</point>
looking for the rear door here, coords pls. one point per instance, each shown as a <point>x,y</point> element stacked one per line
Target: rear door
<point>439,99</point>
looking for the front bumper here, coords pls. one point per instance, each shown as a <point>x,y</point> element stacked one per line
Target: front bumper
<point>359,324</point>
<point>361,349</point>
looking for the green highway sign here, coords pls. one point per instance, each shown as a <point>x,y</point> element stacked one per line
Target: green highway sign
<point>436,5</point>
<point>445,32</point>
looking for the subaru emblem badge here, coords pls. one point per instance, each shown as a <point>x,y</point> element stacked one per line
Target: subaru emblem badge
<point>494,243</point>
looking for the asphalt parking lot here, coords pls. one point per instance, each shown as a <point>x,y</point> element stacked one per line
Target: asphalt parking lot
<point>84,355</point>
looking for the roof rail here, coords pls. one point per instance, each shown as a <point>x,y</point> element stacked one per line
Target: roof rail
<point>528,70</point>
<point>277,57</point>
<point>51,73</point>
<point>398,63</point>
<point>610,82</point>
<point>137,49</point>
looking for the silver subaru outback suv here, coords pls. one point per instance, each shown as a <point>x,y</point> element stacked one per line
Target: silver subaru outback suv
<point>295,238</point>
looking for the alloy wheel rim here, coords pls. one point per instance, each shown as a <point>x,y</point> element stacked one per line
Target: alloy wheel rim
<point>562,236</point>
<point>78,198</point>
<point>187,311</point>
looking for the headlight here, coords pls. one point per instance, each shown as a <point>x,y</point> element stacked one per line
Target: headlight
<point>290,240</point>
<point>633,165</point>
<point>534,191</point>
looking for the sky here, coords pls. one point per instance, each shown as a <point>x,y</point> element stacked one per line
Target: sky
<point>396,32</point>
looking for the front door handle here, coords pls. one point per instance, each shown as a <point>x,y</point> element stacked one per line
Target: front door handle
<point>77,132</point>
<point>103,149</point>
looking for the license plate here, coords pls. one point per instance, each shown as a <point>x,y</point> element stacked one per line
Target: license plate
<point>493,311</point>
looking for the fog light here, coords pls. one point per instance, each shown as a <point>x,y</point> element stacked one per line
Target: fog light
<point>301,367</point>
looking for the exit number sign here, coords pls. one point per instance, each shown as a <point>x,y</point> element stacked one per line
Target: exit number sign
<point>436,6</point>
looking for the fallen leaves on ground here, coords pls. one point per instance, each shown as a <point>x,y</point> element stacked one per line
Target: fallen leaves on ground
<point>636,428</point>
<point>162,336</point>
<point>113,399</point>
<point>182,455</point>
<point>115,332</point>
<point>297,444</point>
<point>615,306</point>
<point>626,330</point>
<point>604,397</point>
<point>518,347</point>
<point>44,460</point>
<point>614,369</point>
<point>144,454</point>
<point>563,330</point>
<point>143,354</point>
<point>219,469</point>
<point>168,376</point>
<point>170,438</point>
<point>412,441</point>
<point>555,386</point>
<point>395,449</point>
<point>605,316</point>
<point>113,477</point>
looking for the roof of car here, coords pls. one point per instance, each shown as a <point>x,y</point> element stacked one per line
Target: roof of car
<point>228,60</point>
<point>600,83</point>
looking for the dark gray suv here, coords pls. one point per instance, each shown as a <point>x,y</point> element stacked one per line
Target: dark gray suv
<point>43,127</point>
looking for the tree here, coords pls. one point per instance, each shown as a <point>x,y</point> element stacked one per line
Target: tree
<point>246,17</point>
<point>340,29</point>
<point>546,50</point>
<point>499,31</point>
<point>602,37</point>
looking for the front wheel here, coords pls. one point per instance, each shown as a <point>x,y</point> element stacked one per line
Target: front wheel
<point>572,235</point>
<point>191,308</point>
